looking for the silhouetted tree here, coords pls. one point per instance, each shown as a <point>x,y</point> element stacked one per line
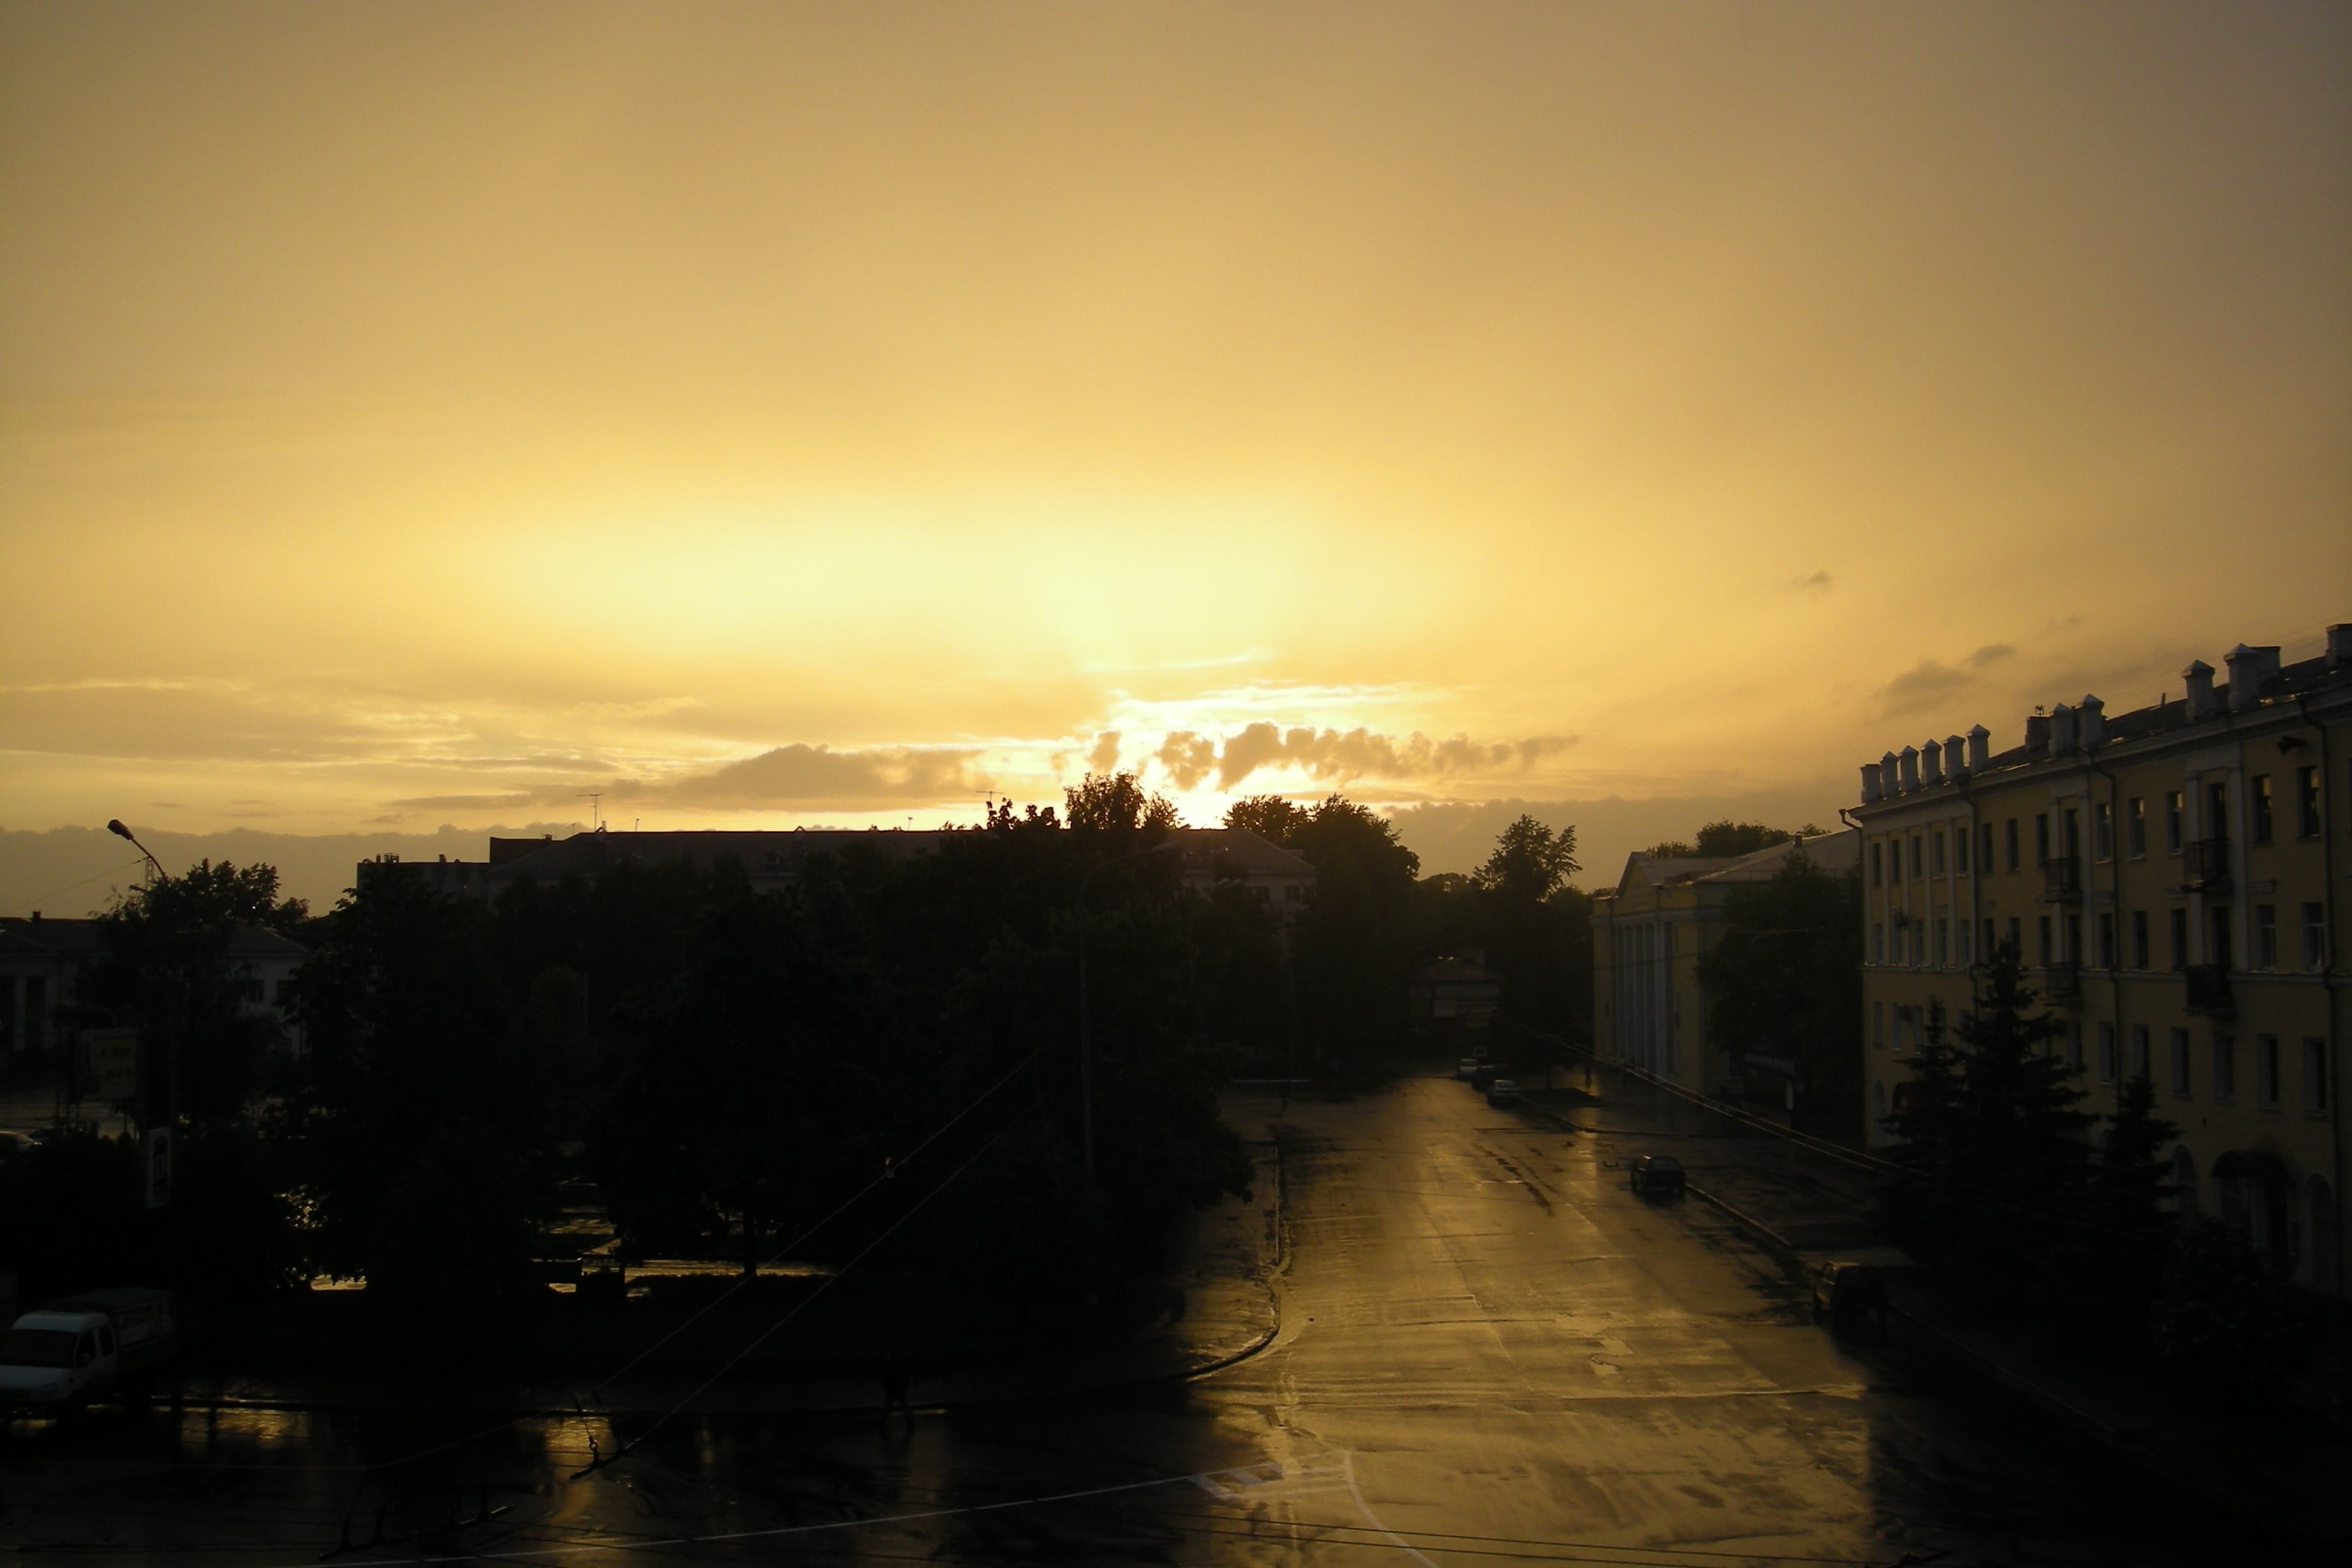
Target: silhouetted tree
<point>1270,817</point>
<point>168,971</point>
<point>1785,981</point>
<point>1994,1147</point>
<point>2116,1258</point>
<point>1116,802</point>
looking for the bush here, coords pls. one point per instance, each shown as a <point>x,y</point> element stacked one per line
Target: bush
<point>2225,1319</point>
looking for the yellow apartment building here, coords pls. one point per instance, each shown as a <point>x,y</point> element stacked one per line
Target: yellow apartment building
<point>1648,933</point>
<point>2173,878</point>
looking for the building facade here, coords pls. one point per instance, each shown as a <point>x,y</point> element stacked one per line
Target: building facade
<point>2172,878</point>
<point>1648,933</point>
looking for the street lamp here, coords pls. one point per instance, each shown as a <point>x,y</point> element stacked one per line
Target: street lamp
<point>1085,1039</point>
<point>115,827</point>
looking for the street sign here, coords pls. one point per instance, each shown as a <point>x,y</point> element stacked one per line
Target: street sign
<point>159,1166</point>
<point>110,1064</point>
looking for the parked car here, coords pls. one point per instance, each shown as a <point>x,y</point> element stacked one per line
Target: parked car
<point>60,1355</point>
<point>1503,1091</point>
<point>1850,1294</point>
<point>1656,1174</point>
<point>1484,1078</point>
<point>1467,1068</point>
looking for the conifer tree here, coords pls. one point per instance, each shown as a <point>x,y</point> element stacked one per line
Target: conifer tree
<point>1996,1159</point>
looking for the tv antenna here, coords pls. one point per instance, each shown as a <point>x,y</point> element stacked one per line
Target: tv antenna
<point>595,799</point>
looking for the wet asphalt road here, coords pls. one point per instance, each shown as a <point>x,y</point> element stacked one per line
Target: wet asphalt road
<point>1490,1351</point>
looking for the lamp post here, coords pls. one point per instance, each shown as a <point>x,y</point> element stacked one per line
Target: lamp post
<point>1085,1038</point>
<point>156,866</point>
<point>157,1139</point>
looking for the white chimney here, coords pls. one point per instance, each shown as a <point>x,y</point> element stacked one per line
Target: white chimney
<point>1909,771</point>
<point>1873,785</point>
<point>1931,763</point>
<point>1890,783</point>
<point>2062,729</point>
<point>1980,749</point>
<point>2094,724</point>
<point>2198,691</point>
<point>1954,763</point>
<point>2247,673</point>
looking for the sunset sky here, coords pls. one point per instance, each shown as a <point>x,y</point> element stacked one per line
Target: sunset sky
<point>418,415</point>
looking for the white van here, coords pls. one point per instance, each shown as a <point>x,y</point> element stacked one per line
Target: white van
<point>63,1353</point>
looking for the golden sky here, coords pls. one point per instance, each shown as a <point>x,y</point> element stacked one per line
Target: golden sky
<point>418,414</point>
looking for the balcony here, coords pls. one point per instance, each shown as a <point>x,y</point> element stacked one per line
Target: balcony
<point>2062,880</point>
<point>2209,990</point>
<point>2062,982</point>
<point>2206,866</point>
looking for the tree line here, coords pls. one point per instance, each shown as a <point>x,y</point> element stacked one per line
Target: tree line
<point>730,1066</point>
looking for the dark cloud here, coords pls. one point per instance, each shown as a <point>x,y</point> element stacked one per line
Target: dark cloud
<point>1991,653</point>
<point>1921,687</point>
<point>1335,756</point>
<point>818,775</point>
<point>1104,758</point>
<point>1819,582</point>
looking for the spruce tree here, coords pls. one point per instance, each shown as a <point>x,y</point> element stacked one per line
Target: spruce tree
<point>1996,1159</point>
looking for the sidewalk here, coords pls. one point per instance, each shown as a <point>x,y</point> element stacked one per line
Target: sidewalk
<point>2285,1471</point>
<point>1229,1310</point>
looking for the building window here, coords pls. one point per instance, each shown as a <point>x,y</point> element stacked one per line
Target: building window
<point>2315,1075</point>
<point>2012,843</point>
<point>1878,1025</point>
<point>1960,850</point>
<point>2139,939</point>
<point>2136,826</point>
<point>2103,831</point>
<point>2074,1044</point>
<point>1943,941</point>
<point>1918,865</point>
<point>2016,939</point>
<point>2225,1068</point>
<point>1984,845</point>
<point>2181,1062</point>
<point>2139,1063</point>
<point>2261,798</point>
<point>2042,939</point>
<point>1935,853</point>
<point>2106,1053</point>
<point>2315,937</point>
<point>2042,839</point>
<point>2266,1071</point>
<point>2220,950</point>
<point>2265,936</point>
<point>2173,811</point>
<point>1875,880</point>
<point>1878,942</point>
<point>2179,933</point>
<point>2306,802</point>
<point>2107,938</point>
<point>1960,930</point>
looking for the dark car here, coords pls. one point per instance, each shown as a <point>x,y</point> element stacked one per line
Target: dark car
<point>1484,1078</point>
<point>1657,1174</point>
<point>1503,1091</point>
<point>1850,1295</point>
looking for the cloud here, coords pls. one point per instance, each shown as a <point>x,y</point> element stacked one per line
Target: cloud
<point>1104,758</point>
<point>803,775</point>
<point>1991,653</point>
<point>1819,582</point>
<point>1929,681</point>
<point>1337,756</point>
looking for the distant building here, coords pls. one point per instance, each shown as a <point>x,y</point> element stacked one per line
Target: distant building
<point>1456,995</point>
<point>43,960</point>
<point>1648,933</point>
<point>2173,878</point>
<point>775,858</point>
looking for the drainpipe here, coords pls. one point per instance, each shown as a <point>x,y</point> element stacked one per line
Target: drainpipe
<point>2115,892</point>
<point>2327,982</point>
